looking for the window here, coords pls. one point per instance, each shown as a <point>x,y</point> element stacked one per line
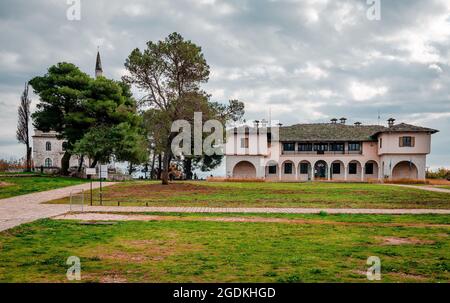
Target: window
<point>354,146</point>
<point>337,147</point>
<point>272,169</point>
<point>244,142</point>
<point>304,168</point>
<point>48,146</point>
<point>369,168</point>
<point>320,146</point>
<point>64,146</point>
<point>352,169</point>
<point>269,139</point>
<point>336,168</point>
<point>381,142</point>
<point>48,162</point>
<point>406,141</point>
<point>288,146</point>
<point>304,147</point>
<point>288,168</point>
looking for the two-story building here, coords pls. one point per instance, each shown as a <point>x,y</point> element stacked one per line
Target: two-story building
<point>328,151</point>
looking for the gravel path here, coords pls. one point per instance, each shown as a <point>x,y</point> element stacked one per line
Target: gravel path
<point>27,208</point>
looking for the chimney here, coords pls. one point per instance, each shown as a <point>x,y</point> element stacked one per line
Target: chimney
<point>333,121</point>
<point>391,122</point>
<point>343,120</point>
<point>264,123</point>
<point>358,123</point>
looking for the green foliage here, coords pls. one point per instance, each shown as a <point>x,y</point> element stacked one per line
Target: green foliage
<point>170,72</point>
<point>95,116</point>
<point>441,173</point>
<point>62,91</point>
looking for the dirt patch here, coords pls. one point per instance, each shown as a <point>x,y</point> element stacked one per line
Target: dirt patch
<point>156,190</point>
<point>106,277</point>
<point>5,184</point>
<point>403,241</point>
<point>142,251</point>
<point>406,276</point>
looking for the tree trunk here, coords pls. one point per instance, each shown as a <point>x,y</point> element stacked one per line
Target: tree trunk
<point>28,158</point>
<point>165,169</point>
<point>65,163</point>
<point>187,163</point>
<point>130,169</point>
<point>94,163</point>
<point>80,163</point>
<point>159,166</point>
<point>152,172</point>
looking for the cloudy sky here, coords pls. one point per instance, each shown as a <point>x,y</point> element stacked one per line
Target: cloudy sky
<point>306,60</point>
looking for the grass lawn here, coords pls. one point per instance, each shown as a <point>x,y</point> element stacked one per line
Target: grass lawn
<point>444,186</point>
<point>15,186</point>
<point>259,194</point>
<point>324,248</point>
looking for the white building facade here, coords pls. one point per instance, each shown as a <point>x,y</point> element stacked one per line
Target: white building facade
<point>328,151</point>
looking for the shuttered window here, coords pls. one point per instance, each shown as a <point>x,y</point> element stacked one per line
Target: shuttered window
<point>407,141</point>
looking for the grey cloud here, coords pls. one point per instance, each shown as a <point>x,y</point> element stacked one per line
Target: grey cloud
<point>267,53</point>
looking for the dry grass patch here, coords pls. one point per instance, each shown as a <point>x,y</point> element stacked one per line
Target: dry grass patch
<point>403,241</point>
<point>5,184</point>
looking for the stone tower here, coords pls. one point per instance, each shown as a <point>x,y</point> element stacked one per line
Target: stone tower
<point>98,66</point>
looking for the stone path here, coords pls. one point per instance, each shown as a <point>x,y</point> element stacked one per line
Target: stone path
<point>424,187</point>
<point>27,208</point>
<point>266,210</point>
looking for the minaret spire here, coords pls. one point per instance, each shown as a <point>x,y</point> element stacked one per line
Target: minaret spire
<point>98,65</point>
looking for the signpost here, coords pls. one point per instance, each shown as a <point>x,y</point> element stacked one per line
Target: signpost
<point>90,172</point>
<point>103,174</point>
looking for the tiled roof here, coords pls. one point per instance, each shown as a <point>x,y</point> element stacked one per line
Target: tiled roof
<point>342,132</point>
<point>403,127</point>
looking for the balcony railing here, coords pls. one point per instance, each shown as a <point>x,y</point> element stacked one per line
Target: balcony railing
<point>319,152</point>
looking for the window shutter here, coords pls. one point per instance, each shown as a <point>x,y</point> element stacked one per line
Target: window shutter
<point>413,141</point>
<point>400,141</point>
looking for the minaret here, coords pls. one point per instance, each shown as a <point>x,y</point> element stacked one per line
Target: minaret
<point>98,66</point>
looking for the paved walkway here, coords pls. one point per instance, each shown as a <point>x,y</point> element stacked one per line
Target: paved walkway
<point>263,210</point>
<point>27,208</point>
<point>425,187</point>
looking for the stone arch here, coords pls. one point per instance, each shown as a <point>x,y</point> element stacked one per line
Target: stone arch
<point>321,171</point>
<point>285,175</point>
<point>337,174</point>
<point>354,175</point>
<point>244,170</point>
<point>375,170</point>
<point>405,170</point>
<point>302,175</point>
<point>268,174</point>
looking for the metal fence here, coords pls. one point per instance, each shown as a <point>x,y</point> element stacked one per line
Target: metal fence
<point>76,200</point>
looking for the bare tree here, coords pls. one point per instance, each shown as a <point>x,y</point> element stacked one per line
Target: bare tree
<point>23,134</point>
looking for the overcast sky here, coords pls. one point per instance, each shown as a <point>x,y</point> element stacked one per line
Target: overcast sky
<point>306,60</point>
